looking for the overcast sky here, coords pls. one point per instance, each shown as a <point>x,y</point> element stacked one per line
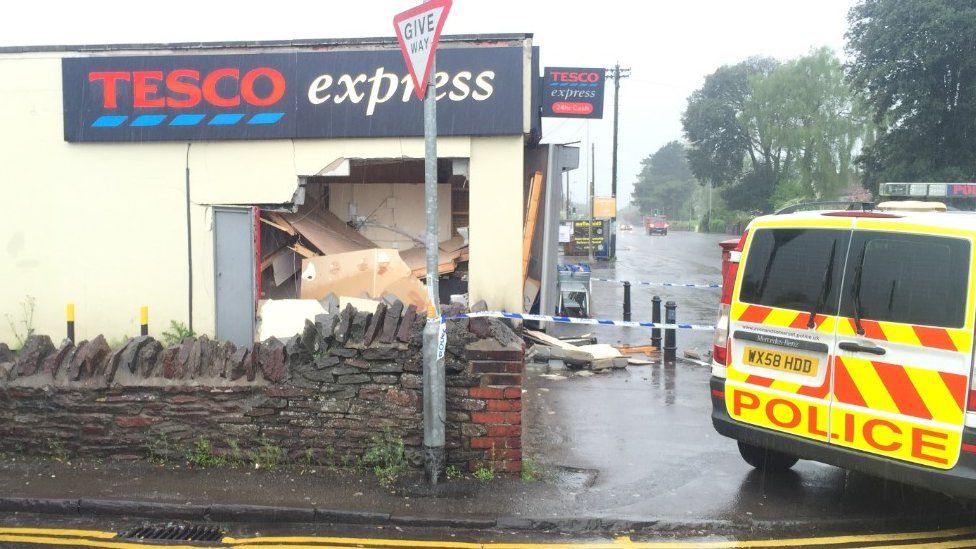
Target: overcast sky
<point>669,45</point>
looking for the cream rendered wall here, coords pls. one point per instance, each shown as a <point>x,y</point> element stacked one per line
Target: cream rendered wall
<point>496,222</point>
<point>103,226</point>
<point>406,213</point>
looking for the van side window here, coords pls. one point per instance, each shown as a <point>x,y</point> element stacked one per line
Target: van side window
<point>908,278</point>
<point>788,268</point>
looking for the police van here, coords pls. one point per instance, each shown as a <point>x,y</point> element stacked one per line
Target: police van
<point>846,337</point>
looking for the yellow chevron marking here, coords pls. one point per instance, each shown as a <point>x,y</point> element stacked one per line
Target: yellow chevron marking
<point>781,317</point>
<point>785,386</point>
<point>899,333</point>
<point>935,395</point>
<point>870,385</point>
<point>828,325</point>
<point>963,339</point>
<point>738,309</point>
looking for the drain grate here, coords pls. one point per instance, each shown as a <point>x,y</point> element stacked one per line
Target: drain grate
<point>175,532</point>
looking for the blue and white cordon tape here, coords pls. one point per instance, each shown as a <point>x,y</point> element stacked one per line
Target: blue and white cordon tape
<point>573,320</point>
<point>664,284</point>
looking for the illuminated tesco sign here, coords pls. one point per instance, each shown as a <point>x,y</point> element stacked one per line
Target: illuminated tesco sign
<point>284,96</point>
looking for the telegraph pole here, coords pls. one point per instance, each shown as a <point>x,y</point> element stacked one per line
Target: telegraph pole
<point>616,73</point>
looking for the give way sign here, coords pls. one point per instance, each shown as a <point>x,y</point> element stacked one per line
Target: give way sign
<point>418,30</point>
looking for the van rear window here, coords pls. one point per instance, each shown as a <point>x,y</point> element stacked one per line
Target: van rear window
<point>788,268</point>
<point>908,278</point>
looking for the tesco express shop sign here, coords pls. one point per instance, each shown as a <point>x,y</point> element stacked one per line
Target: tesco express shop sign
<point>572,93</point>
<point>283,96</point>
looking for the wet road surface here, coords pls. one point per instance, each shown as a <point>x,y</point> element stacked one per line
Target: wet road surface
<point>643,436</point>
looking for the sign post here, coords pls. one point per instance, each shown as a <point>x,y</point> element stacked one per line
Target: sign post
<point>418,30</point>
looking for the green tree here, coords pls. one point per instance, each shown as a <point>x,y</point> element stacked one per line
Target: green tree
<point>770,133</point>
<point>914,61</point>
<point>728,147</point>
<point>665,182</point>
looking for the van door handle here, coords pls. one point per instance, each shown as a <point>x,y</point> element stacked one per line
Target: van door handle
<point>858,348</point>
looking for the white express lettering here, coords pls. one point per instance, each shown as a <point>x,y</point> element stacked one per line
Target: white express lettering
<point>376,83</point>
<point>384,86</point>
<point>461,86</point>
<point>318,86</point>
<point>351,92</point>
<point>483,83</point>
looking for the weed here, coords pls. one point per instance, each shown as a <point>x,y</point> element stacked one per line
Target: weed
<point>202,455</point>
<point>308,458</point>
<point>177,333</point>
<point>484,474</point>
<point>160,449</point>
<point>531,471</point>
<point>57,450</point>
<point>235,458</point>
<point>387,457</point>
<point>268,456</point>
<point>26,320</point>
<point>453,472</point>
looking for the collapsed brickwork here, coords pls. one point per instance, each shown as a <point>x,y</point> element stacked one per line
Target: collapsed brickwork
<point>325,394</point>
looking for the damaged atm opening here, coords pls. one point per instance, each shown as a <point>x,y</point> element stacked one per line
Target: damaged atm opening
<point>356,230</point>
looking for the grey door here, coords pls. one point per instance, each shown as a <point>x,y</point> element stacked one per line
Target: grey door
<point>234,274</point>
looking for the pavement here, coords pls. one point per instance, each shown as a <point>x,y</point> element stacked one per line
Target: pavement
<point>631,451</point>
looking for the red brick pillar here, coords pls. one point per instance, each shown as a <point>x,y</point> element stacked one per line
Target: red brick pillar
<point>496,426</point>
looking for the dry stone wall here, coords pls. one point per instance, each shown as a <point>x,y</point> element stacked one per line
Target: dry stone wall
<point>325,394</point>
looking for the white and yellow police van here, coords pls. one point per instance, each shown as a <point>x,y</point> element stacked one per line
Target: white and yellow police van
<point>846,337</point>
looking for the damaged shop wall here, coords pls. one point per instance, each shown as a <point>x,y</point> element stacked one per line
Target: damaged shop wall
<point>118,239</point>
<point>399,205</point>
<point>326,392</point>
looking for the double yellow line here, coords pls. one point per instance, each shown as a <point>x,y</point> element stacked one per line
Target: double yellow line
<point>937,539</point>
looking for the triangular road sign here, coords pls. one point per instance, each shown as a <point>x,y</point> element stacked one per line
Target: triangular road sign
<point>418,30</point>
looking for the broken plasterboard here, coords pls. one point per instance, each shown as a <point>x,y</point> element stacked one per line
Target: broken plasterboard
<point>284,266</point>
<point>363,273</point>
<point>325,230</point>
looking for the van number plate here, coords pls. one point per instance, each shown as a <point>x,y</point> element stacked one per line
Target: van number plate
<point>783,362</point>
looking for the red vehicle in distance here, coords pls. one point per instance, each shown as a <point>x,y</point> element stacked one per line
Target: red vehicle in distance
<point>656,224</point>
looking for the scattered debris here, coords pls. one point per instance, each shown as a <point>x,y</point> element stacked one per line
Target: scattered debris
<point>692,354</point>
<point>554,377</point>
<point>367,273</point>
<point>637,350</point>
<point>639,362</point>
<point>594,356</point>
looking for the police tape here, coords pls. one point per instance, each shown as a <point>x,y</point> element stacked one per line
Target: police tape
<point>662,284</point>
<point>573,320</point>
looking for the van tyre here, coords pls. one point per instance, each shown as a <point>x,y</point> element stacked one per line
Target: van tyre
<point>765,459</point>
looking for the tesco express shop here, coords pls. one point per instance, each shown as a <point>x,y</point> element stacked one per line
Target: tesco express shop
<point>142,175</point>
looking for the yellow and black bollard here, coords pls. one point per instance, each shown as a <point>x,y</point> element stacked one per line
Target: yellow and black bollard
<point>144,320</point>
<point>69,313</point>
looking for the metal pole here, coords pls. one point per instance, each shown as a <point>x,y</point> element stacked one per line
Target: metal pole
<point>435,409</point>
<point>626,301</point>
<point>656,318</point>
<point>144,320</point>
<point>590,216</point>
<point>616,113</point>
<point>69,314</point>
<point>670,343</point>
<point>550,224</point>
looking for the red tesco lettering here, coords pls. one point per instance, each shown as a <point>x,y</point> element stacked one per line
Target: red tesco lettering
<point>184,88</point>
<point>572,76</point>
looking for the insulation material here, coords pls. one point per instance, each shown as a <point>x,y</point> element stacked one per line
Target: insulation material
<point>283,318</point>
<point>363,273</point>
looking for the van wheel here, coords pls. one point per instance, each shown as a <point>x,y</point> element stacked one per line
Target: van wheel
<point>765,459</point>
